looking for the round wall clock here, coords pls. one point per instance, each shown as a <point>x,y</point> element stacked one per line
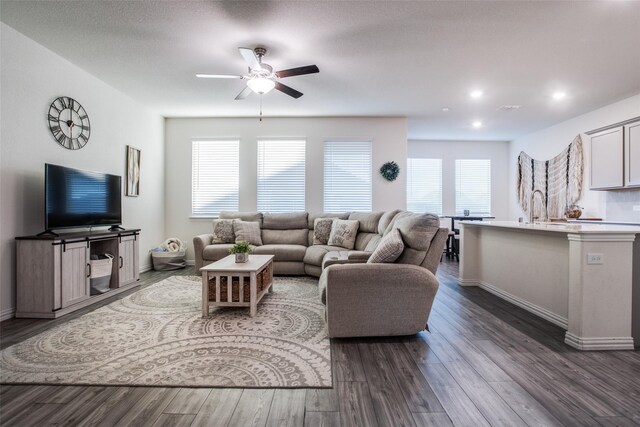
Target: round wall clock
<point>69,123</point>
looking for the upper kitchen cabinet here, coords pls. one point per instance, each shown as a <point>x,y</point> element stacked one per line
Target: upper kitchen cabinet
<point>632,154</point>
<point>615,156</point>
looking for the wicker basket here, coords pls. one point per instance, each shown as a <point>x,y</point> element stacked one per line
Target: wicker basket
<point>263,280</point>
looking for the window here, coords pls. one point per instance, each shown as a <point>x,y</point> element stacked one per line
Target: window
<point>281,166</point>
<point>215,177</point>
<point>347,176</point>
<point>424,185</point>
<point>473,186</point>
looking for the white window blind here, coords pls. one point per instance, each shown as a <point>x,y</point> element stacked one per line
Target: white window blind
<point>347,176</point>
<point>473,186</point>
<point>424,185</point>
<point>215,177</point>
<point>281,169</point>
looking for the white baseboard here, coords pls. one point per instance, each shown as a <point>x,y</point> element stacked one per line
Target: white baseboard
<point>7,313</point>
<point>145,268</point>
<point>191,262</point>
<point>597,343</point>
<point>556,319</point>
<point>468,282</point>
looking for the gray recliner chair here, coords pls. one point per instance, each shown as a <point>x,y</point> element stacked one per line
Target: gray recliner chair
<point>387,299</point>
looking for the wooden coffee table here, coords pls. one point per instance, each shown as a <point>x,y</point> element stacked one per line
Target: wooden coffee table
<point>229,269</point>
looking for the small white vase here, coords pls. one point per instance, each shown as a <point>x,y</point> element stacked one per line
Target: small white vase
<point>243,257</point>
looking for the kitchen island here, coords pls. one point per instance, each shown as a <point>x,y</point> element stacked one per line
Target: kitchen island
<point>578,276</point>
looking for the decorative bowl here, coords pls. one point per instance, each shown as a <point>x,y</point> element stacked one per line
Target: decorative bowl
<point>573,212</point>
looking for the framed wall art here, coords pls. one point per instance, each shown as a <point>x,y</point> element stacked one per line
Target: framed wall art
<point>133,172</point>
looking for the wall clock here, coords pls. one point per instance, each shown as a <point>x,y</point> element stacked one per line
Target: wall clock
<point>69,123</point>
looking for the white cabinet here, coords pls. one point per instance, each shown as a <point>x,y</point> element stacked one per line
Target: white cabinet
<point>607,166</point>
<point>632,154</point>
<point>615,156</point>
<point>128,260</point>
<point>75,273</point>
<point>54,272</point>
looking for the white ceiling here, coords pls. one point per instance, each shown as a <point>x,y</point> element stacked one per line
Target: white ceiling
<point>384,58</point>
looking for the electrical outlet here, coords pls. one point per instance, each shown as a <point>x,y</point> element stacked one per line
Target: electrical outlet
<point>593,258</point>
<point>636,208</point>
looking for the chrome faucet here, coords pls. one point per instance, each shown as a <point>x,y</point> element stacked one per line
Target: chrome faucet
<point>532,218</point>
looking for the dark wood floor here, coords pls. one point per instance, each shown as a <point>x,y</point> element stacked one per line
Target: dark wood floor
<point>485,362</point>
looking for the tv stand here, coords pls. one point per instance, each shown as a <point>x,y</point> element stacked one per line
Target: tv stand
<point>116,228</point>
<point>54,270</point>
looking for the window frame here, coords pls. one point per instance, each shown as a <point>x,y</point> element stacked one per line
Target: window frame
<point>208,215</point>
<point>409,179</point>
<point>489,185</point>
<point>334,208</point>
<point>304,172</point>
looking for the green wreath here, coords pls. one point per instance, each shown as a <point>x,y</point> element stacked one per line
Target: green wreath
<point>390,171</point>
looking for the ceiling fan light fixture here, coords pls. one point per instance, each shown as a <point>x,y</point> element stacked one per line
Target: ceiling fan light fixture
<point>261,85</point>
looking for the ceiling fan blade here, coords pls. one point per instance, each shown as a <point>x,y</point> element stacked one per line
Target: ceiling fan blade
<point>245,92</point>
<point>218,76</point>
<point>288,90</point>
<point>250,57</point>
<point>309,69</point>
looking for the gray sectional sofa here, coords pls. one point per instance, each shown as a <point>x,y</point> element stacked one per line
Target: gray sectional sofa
<point>361,299</point>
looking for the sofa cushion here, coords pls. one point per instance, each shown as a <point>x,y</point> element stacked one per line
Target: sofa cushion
<point>286,237</point>
<point>417,230</point>
<point>389,249</point>
<point>284,221</point>
<point>363,240</point>
<point>344,233</point>
<point>282,252</point>
<point>386,219</point>
<point>223,231</point>
<point>368,221</point>
<point>247,231</point>
<point>216,252</point>
<point>243,216</point>
<point>322,230</point>
<point>335,257</point>
<point>372,244</point>
<point>316,253</point>
<point>312,217</point>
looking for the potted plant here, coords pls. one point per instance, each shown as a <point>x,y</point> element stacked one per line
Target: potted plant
<point>241,250</point>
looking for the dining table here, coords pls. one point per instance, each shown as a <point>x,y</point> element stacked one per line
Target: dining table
<point>452,250</point>
<point>458,217</point>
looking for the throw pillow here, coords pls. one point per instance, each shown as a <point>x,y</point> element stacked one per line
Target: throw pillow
<point>322,230</point>
<point>389,249</point>
<point>223,231</point>
<point>343,233</point>
<point>247,231</point>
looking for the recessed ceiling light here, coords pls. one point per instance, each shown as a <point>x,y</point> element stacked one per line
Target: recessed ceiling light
<point>558,95</point>
<point>475,94</point>
<point>445,109</point>
<point>476,124</point>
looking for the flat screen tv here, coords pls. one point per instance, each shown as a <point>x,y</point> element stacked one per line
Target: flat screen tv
<point>78,198</point>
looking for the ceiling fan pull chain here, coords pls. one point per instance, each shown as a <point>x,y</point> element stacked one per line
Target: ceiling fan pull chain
<point>260,107</point>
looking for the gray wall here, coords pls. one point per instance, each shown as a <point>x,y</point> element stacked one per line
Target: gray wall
<point>389,142</point>
<point>547,143</point>
<point>32,77</point>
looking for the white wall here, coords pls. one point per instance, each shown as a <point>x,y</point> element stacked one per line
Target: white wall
<point>449,151</point>
<point>549,142</point>
<point>32,77</point>
<point>389,142</point>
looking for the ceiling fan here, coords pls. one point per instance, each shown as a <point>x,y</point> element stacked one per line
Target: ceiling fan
<point>261,78</point>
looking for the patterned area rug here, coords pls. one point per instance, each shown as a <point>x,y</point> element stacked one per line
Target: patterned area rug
<point>157,337</point>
